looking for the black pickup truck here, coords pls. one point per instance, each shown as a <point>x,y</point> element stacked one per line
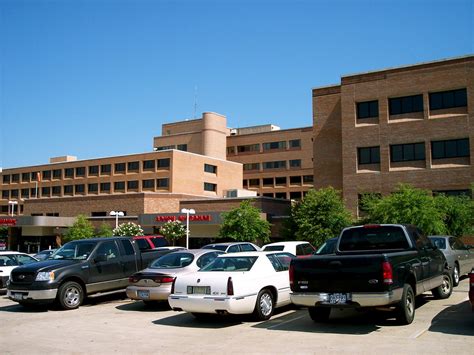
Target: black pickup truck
<point>79,268</point>
<point>383,265</point>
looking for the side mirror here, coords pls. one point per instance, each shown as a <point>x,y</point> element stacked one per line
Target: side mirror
<point>100,257</point>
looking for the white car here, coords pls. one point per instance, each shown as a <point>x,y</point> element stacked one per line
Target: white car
<point>243,283</point>
<point>10,260</point>
<point>298,248</point>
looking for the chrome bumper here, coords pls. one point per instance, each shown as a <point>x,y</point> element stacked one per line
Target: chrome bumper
<point>34,295</point>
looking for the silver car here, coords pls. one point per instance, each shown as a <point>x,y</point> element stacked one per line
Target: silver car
<point>460,258</point>
<point>154,283</point>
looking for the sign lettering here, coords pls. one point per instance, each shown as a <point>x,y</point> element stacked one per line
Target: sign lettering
<point>7,222</point>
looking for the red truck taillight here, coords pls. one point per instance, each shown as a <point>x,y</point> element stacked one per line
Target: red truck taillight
<point>387,273</point>
<point>291,273</point>
<point>471,278</point>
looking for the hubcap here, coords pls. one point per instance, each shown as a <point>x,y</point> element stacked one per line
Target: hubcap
<point>445,286</point>
<point>266,304</point>
<point>72,296</point>
<point>456,274</point>
<point>409,305</point>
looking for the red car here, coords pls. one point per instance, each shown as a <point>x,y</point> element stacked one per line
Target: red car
<point>471,288</point>
<point>148,242</point>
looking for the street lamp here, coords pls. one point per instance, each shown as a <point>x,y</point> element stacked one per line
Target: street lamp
<point>13,203</point>
<point>188,212</point>
<point>117,214</point>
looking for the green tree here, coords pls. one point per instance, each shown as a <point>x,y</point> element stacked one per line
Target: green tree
<point>128,229</point>
<point>81,229</point>
<point>3,231</point>
<point>105,230</point>
<point>458,214</point>
<point>320,215</point>
<point>244,223</point>
<point>407,205</point>
<point>173,230</point>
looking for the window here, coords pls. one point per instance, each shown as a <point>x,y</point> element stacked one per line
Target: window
<point>448,99</point>
<point>251,166</point>
<point>56,190</point>
<point>230,150</point>
<point>149,165</point>
<point>69,172</point>
<point>57,174</point>
<point>295,180</point>
<point>93,170</point>
<point>210,187</point>
<point>254,182</point>
<point>6,179</point>
<point>162,183</point>
<point>210,168</point>
<point>248,148</point>
<point>81,171</point>
<point>14,193</point>
<point>68,190</point>
<point>109,249</point>
<point>45,191</point>
<point>33,192</point>
<point>454,148</point>
<point>407,152</point>
<point>183,147</point>
<point>455,193</point>
<point>132,185</point>
<point>25,177</point>
<point>367,109</point>
<point>308,179</point>
<point>274,145</point>
<point>280,180</point>
<point>295,143</point>
<point>407,104</point>
<point>46,174</point>
<point>268,194</point>
<point>295,195</point>
<point>105,169</point>
<point>25,193</point>
<point>296,163</point>
<point>5,194</point>
<point>119,185</point>
<point>15,177</point>
<point>132,166</point>
<point>281,195</point>
<point>80,189</point>
<point>247,247</point>
<point>104,186</point>
<point>165,147</point>
<point>119,168</point>
<point>163,163</point>
<point>267,181</point>
<point>148,184</point>
<point>369,155</point>
<point>93,188</point>
<point>281,164</point>
<point>99,214</point>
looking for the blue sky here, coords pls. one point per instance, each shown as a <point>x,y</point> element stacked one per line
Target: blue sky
<point>97,78</point>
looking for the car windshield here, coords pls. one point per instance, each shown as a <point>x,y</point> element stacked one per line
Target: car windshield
<point>439,242</point>
<point>373,238</point>
<point>273,248</point>
<point>74,251</point>
<point>215,247</point>
<point>329,247</point>
<point>236,263</point>
<point>173,261</point>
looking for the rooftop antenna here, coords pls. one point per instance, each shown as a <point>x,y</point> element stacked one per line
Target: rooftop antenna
<point>195,100</point>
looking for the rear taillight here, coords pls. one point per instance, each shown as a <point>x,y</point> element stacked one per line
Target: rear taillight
<point>368,226</point>
<point>163,279</point>
<point>291,273</point>
<point>387,273</point>
<point>471,279</point>
<point>172,285</point>
<point>230,287</point>
<point>133,279</point>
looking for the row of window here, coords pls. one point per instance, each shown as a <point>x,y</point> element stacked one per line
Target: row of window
<point>293,195</point>
<point>183,147</point>
<point>93,170</point>
<point>453,148</point>
<point>414,103</point>
<point>278,181</point>
<point>266,147</point>
<point>279,164</point>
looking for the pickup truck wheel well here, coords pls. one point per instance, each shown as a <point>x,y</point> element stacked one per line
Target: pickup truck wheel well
<point>78,280</point>
<point>411,280</point>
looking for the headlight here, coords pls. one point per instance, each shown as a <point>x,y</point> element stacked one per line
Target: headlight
<point>45,276</point>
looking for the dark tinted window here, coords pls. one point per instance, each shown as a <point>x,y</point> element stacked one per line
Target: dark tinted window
<point>407,104</point>
<point>119,167</point>
<point>274,248</point>
<point>247,247</point>
<point>369,155</point>
<point>81,171</point>
<point>105,169</point>
<point>159,242</point>
<point>149,165</point>
<point>448,99</point>
<point>233,249</point>
<point>132,185</point>
<point>373,238</point>
<point>367,109</point>
<point>407,152</point>
<point>133,166</point>
<point>450,148</point>
<point>93,170</point>
<point>439,242</point>
<point>173,261</point>
<point>163,163</point>
<point>207,258</point>
<point>128,247</point>
<point>234,263</point>
<point>142,244</point>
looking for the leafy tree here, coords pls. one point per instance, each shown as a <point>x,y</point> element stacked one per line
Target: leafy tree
<point>320,215</point>
<point>407,205</point>
<point>244,223</point>
<point>458,214</point>
<point>128,229</point>
<point>173,230</point>
<point>105,230</point>
<point>3,231</point>
<point>81,229</point>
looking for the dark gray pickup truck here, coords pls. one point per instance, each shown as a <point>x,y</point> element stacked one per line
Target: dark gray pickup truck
<point>78,269</point>
<point>373,266</point>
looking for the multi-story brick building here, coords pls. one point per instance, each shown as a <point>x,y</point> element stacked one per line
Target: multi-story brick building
<point>411,124</point>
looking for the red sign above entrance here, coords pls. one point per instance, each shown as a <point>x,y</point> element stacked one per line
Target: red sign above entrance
<point>194,218</point>
<point>8,222</point>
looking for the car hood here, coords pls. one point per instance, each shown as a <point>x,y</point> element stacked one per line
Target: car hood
<point>46,265</point>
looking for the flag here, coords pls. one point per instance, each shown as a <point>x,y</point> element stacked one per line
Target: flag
<point>38,176</point>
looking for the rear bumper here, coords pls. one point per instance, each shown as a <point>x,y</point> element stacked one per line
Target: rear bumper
<point>159,293</point>
<point>210,304</point>
<point>33,296</point>
<point>358,299</point>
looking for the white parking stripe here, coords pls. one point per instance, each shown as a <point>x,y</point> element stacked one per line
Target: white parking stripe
<point>288,321</point>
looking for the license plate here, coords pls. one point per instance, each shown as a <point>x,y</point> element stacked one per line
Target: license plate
<point>18,296</point>
<point>338,298</point>
<point>199,290</point>
<point>144,294</point>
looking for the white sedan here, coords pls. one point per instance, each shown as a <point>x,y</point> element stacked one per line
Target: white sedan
<point>10,260</point>
<point>243,283</point>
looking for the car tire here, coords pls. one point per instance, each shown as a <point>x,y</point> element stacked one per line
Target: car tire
<point>406,307</point>
<point>70,295</point>
<point>445,289</point>
<point>264,306</point>
<point>456,275</point>
<point>319,314</point>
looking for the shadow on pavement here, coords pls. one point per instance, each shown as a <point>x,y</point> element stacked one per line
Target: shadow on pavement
<point>457,319</point>
<point>187,320</point>
<point>139,306</point>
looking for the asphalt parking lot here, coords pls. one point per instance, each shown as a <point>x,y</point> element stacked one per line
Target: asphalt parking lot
<point>113,324</point>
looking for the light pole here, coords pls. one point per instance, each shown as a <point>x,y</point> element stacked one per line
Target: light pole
<point>117,214</point>
<point>13,203</point>
<point>188,212</point>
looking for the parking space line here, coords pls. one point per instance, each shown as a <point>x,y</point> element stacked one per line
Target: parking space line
<point>285,322</point>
